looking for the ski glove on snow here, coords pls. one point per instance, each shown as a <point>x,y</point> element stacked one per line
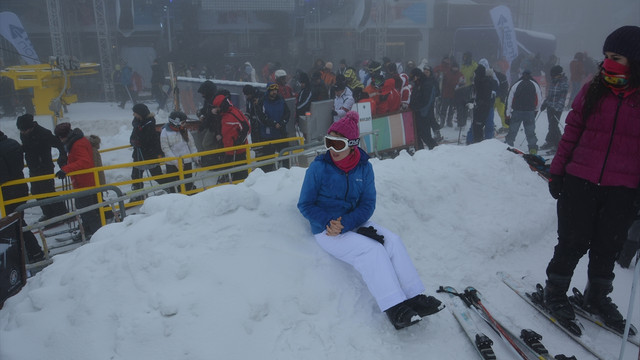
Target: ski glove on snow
<point>371,232</point>
<point>555,185</point>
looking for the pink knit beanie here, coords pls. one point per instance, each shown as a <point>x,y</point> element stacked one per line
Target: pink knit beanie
<point>347,126</point>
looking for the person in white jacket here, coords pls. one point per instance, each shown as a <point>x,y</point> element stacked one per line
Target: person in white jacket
<point>177,141</point>
<point>343,102</point>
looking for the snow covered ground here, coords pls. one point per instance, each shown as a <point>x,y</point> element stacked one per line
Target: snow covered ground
<point>234,272</point>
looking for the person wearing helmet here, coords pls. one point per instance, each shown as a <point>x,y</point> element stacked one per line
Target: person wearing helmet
<point>177,141</point>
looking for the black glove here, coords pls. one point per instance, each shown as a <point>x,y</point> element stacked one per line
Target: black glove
<point>371,232</point>
<point>334,113</point>
<point>555,185</point>
<point>61,174</point>
<point>507,119</point>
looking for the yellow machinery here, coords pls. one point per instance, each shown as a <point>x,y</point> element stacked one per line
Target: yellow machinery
<point>50,82</point>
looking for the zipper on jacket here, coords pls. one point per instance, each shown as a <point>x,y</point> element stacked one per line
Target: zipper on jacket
<point>346,175</point>
<point>613,131</point>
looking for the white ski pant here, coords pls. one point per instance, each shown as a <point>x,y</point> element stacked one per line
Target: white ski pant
<point>387,270</point>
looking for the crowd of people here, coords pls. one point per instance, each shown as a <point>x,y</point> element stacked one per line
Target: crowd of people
<point>450,94</point>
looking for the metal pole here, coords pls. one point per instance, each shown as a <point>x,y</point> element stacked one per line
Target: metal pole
<point>627,325</point>
<point>168,27</point>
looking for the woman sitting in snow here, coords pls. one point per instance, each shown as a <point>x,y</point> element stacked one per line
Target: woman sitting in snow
<point>338,197</point>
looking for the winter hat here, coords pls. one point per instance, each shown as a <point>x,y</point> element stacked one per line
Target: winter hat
<point>329,65</point>
<point>24,122</point>
<point>624,41</point>
<point>248,90</point>
<point>484,62</point>
<point>272,86</point>
<point>142,110</point>
<point>62,130</point>
<point>555,70</point>
<point>177,117</point>
<point>280,73</point>
<point>207,88</point>
<point>222,101</point>
<point>374,66</point>
<point>347,126</point>
<point>340,85</point>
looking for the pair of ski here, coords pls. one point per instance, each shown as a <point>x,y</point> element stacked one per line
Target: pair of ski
<point>536,162</point>
<point>533,295</point>
<point>527,345</point>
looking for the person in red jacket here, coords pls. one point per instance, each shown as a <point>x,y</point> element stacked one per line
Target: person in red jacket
<point>594,176</point>
<point>235,130</point>
<point>80,157</point>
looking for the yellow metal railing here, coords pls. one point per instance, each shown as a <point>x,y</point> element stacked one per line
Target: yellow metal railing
<point>180,174</point>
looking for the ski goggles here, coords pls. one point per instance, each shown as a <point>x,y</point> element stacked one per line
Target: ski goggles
<point>339,144</point>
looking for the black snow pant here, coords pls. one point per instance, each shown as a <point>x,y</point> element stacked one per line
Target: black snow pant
<point>480,115</point>
<point>462,97</point>
<point>137,173</point>
<point>423,127</point>
<point>174,169</point>
<point>591,218</point>
<point>48,186</point>
<point>91,219</point>
<point>30,242</point>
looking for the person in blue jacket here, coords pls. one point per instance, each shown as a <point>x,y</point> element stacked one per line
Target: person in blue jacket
<point>338,197</point>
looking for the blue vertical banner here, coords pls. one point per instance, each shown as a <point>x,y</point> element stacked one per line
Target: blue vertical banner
<point>503,22</point>
<point>11,29</point>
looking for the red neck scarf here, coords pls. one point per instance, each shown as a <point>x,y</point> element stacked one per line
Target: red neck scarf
<point>348,163</point>
<point>616,77</point>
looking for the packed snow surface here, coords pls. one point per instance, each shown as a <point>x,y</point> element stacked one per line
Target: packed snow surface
<point>234,272</point>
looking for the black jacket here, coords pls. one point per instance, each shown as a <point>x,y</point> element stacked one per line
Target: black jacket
<point>423,97</point>
<point>145,139</point>
<point>11,165</point>
<point>37,150</point>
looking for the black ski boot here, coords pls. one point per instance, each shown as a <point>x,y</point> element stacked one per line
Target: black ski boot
<point>424,305</point>
<point>598,303</point>
<point>402,316</point>
<point>555,297</point>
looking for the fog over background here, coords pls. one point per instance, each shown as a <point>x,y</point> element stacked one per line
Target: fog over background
<point>583,25</point>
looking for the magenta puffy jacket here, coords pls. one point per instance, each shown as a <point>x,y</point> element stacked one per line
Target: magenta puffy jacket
<point>605,149</point>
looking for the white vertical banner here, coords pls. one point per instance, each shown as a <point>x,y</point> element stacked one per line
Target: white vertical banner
<point>11,28</point>
<point>502,21</point>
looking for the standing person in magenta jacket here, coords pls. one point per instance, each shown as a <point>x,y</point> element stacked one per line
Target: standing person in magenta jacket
<point>595,177</point>
<point>338,197</point>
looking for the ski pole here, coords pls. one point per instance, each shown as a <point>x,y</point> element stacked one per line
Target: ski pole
<point>627,325</point>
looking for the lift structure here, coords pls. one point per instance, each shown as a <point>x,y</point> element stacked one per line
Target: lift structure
<point>51,82</point>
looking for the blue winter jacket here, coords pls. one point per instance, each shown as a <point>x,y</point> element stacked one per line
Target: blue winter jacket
<point>329,193</point>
